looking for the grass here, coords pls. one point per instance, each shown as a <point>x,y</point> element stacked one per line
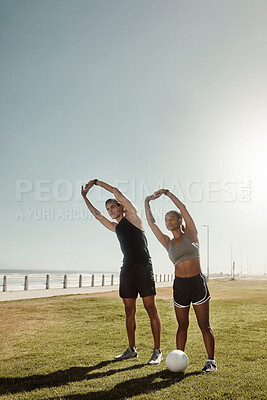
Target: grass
<point>63,348</point>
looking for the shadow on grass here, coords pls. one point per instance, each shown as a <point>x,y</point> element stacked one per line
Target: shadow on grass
<point>134,387</point>
<point>59,378</point>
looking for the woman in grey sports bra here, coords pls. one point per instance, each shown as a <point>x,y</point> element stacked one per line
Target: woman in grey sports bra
<point>190,285</point>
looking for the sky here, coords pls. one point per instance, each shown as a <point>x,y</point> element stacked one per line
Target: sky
<point>141,94</point>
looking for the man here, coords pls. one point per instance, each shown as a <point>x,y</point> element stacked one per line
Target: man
<point>136,274</point>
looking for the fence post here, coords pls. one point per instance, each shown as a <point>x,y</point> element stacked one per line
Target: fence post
<point>26,283</point>
<point>160,277</point>
<point>112,280</point>
<point>156,278</point>
<point>5,284</point>
<point>93,280</point>
<point>47,282</point>
<point>103,280</point>
<point>65,282</point>
<point>80,280</point>
<point>164,277</point>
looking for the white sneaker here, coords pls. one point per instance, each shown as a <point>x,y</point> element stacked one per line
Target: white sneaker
<point>210,366</point>
<point>129,353</point>
<point>156,357</point>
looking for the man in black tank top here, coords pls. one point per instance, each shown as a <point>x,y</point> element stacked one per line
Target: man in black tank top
<point>136,274</point>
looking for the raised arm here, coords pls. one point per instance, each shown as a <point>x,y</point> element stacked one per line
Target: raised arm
<point>122,199</point>
<point>190,227</point>
<point>163,239</point>
<point>96,213</point>
<point>130,210</point>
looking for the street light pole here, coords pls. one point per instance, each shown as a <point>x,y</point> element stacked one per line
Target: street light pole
<point>208,250</point>
<point>231,244</point>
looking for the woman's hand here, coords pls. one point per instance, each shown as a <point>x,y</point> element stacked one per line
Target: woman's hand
<point>159,192</point>
<point>150,197</point>
<point>156,194</point>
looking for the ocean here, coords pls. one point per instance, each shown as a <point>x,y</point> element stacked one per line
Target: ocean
<point>37,278</point>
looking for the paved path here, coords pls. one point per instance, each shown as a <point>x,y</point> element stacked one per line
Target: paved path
<point>34,294</point>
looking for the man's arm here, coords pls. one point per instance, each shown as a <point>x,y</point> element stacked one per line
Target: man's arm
<point>96,213</point>
<point>122,199</point>
<point>130,210</point>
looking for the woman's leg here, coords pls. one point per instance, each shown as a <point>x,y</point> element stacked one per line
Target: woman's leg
<point>182,316</point>
<point>202,314</point>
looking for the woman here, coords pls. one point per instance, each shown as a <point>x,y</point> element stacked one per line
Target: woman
<point>189,284</point>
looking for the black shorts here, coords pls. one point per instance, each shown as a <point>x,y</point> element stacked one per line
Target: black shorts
<point>190,290</point>
<point>137,278</point>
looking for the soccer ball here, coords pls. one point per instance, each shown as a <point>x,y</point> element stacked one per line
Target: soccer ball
<point>177,361</point>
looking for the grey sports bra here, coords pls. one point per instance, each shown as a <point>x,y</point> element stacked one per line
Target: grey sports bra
<point>185,251</point>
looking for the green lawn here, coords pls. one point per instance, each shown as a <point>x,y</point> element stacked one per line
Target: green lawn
<point>63,348</point>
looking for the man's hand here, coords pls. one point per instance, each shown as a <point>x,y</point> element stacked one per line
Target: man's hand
<point>87,187</point>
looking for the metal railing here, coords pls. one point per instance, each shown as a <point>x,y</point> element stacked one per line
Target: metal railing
<point>49,281</point>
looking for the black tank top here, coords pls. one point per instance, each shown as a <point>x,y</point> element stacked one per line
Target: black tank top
<point>133,242</point>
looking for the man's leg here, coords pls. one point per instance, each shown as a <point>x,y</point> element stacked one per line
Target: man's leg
<point>130,311</point>
<point>155,322</point>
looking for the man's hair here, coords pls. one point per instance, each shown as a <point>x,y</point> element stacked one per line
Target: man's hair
<point>108,201</point>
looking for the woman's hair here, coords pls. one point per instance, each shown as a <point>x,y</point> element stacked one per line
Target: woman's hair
<point>178,215</point>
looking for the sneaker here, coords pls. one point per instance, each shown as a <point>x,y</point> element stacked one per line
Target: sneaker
<point>129,353</point>
<point>210,366</point>
<point>156,357</point>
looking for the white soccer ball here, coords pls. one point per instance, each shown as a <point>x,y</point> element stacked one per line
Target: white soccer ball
<point>177,361</point>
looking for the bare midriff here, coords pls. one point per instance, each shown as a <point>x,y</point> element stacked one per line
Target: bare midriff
<point>188,268</point>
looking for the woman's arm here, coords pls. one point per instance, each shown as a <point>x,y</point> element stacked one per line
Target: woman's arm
<point>190,224</point>
<point>163,239</point>
<point>190,227</point>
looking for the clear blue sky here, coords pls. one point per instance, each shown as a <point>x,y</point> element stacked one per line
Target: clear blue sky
<point>136,93</point>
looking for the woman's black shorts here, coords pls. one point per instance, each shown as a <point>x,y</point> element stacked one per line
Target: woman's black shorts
<point>190,290</point>
<point>137,278</point>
